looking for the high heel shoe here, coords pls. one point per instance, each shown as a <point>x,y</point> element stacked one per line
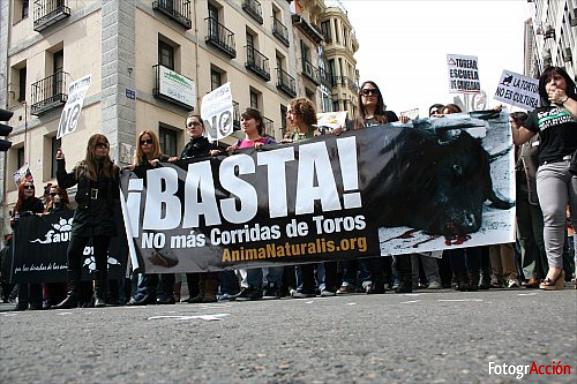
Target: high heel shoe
<point>553,285</point>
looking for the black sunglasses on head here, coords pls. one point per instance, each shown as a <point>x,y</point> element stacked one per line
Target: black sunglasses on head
<point>29,187</point>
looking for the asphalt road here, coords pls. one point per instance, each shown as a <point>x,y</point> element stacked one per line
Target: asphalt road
<point>431,337</point>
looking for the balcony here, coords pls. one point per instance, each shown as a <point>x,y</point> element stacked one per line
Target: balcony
<point>550,32</point>
<point>177,10</point>
<point>280,31</point>
<point>286,83</point>
<point>257,63</point>
<point>49,93</point>
<point>254,9</point>
<point>220,37</point>
<point>268,128</point>
<point>352,85</point>
<point>307,28</point>
<point>235,116</point>
<point>325,78</point>
<point>311,72</point>
<point>49,12</point>
<point>567,55</point>
<point>173,87</point>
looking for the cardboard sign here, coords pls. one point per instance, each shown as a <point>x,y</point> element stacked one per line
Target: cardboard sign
<point>331,120</point>
<point>217,112</point>
<point>463,74</point>
<point>518,90</point>
<point>71,112</point>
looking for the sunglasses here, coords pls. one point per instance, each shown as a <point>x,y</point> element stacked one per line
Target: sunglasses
<point>29,187</point>
<point>144,142</point>
<point>433,112</point>
<point>101,145</point>
<point>53,194</point>
<point>369,92</point>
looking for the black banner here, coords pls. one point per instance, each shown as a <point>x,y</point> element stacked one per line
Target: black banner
<point>377,191</point>
<point>39,250</point>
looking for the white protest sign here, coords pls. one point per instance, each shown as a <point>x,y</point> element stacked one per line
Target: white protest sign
<point>412,113</point>
<point>21,174</point>
<point>463,74</point>
<point>331,120</point>
<point>217,111</point>
<point>518,90</point>
<point>71,112</point>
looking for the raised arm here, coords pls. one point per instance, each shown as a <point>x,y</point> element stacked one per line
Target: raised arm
<point>65,180</point>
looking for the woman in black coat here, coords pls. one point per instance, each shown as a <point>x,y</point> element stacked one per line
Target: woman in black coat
<point>97,194</point>
<point>26,205</point>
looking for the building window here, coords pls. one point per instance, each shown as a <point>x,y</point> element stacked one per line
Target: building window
<point>283,120</point>
<point>168,139</point>
<point>310,95</point>
<point>326,31</point>
<point>19,158</point>
<point>254,99</point>
<point>215,78</point>
<point>250,39</point>
<point>165,54</point>
<point>53,148</point>
<point>25,8</point>
<point>336,31</point>
<point>22,84</point>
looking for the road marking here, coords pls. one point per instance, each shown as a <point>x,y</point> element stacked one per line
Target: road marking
<point>411,301</point>
<point>64,313</point>
<point>413,294</point>
<point>461,300</point>
<point>527,294</point>
<point>351,303</point>
<point>215,317</point>
<point>9,314</point>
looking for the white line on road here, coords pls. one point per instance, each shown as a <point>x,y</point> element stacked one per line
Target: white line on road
<point>351,303</point>
<point>527,294</point>
<point>215,317</point>
<point>462,300</point>
<point>9,314</point>
<point>411,301</point>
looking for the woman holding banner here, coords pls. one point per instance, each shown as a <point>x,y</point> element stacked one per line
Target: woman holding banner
<point>26,205</point>
<point>97,194</point>
<point>556,124</point>
<point>202,287</point>
<point>147,156</point>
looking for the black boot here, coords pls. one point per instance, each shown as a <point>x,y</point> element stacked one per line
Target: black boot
<point>100,286</point>
<point>71,299</point>
<point>462,281</point>
<point>474,278</point>
<point>201,291</point>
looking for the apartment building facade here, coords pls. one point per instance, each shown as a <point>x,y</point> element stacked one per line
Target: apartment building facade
<point>551,36</point>
<point>151,62</point>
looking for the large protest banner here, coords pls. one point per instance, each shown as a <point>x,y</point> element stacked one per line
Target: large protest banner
<point>518,90</point>
<point>439,184</point>
<point>40,244</point>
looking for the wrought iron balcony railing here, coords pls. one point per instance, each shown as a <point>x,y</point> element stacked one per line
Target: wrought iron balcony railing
<point>286,83</point>
<point>311,72</point>
<point>254,9</point>
<point>49,93</point>
<point>325,77</point>
<point>49,12</point>
<point>280,31</point>
<point>177,10</point>
<point>257,63</point>
<point>220,37</point>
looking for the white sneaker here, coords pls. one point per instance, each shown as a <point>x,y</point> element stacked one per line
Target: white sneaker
<point>435,285</point>
<point>513,283</point>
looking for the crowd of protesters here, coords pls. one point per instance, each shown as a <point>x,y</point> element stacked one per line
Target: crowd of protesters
<point>542,257</point>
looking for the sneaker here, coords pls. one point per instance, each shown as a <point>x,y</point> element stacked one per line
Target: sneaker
<point>327,293</point>
<point>513,283</point>
<point>249,294</point>
<point>302,294</point>
<point>271,293</point>
<point>435,285</point>
<point>226,297</point>
<point>346,289</point>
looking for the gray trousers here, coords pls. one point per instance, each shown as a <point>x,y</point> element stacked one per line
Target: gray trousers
<point>556,188</point>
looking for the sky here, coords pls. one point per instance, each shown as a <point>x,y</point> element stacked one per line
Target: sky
<point>404,45</point>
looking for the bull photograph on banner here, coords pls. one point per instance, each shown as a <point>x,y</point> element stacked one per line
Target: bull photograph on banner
<point>433,184</point>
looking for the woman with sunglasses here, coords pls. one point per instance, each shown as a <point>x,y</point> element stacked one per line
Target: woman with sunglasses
<point>97,194</point>
<point>147,156</point>
<point>27,204</point>
<point>373,112</point>
<point>556,124</point>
